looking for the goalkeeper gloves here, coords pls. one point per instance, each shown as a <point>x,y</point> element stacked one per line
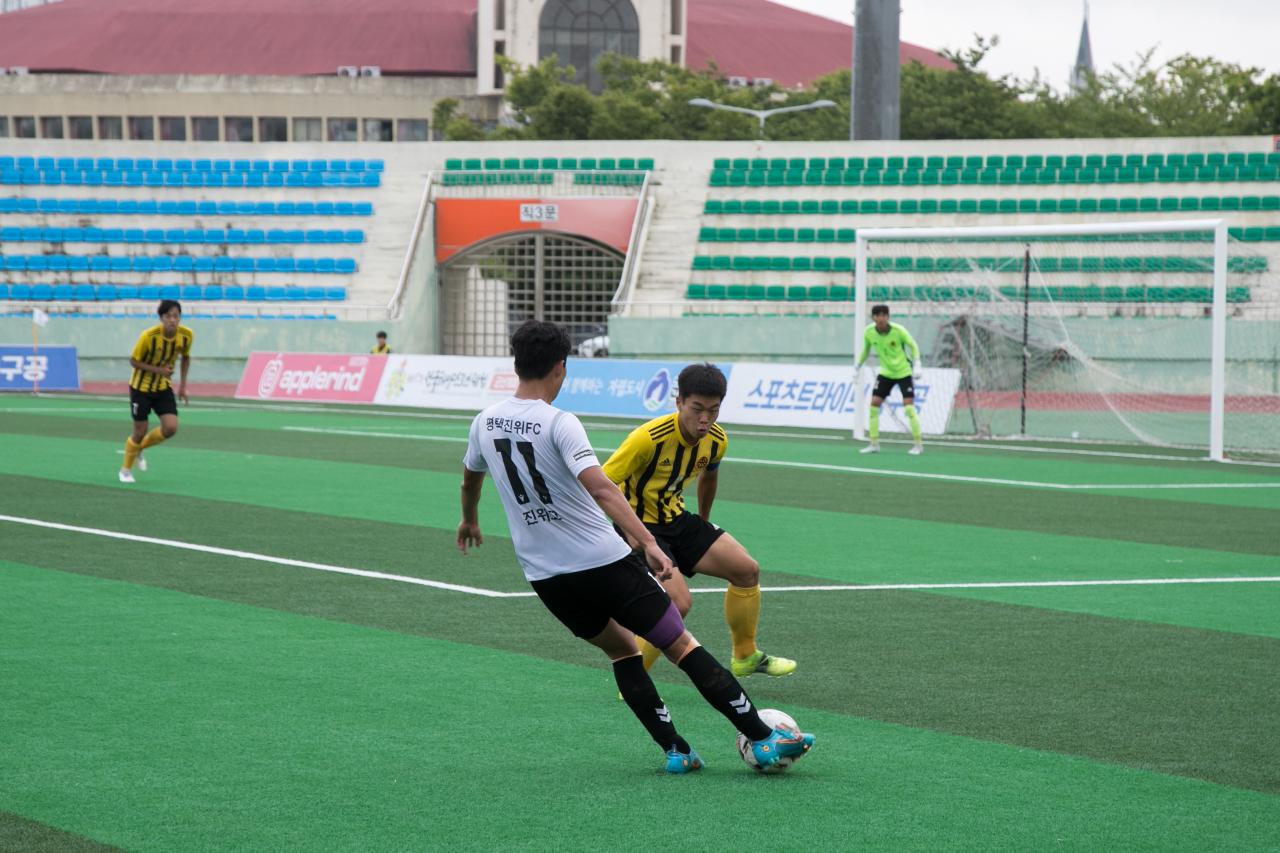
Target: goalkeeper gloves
<point>917,371</point>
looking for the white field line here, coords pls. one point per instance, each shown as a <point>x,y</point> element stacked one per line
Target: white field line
<point>851,469</point>
<point>490,593</point>
<point>224,405</point>
<point>262,558</point>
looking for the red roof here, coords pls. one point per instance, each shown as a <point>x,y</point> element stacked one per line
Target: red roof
<point>756,38</point>
<point>750,38</point>
<point>260,37</point>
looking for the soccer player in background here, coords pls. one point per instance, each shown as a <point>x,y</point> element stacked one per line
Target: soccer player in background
<point>891,343</point>
<point>150,386</point>
<point>653,466</point>
<point>381,347</point>
<point>556,499</point>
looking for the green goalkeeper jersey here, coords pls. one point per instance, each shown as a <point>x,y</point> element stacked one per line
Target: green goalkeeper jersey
<point>892,348</point>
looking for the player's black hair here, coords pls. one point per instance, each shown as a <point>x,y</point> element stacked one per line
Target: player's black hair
<point>539,346</point>
<point>167,305</point>
<point>705,380</point>
<point>879,309</point>
<point>382,335</point>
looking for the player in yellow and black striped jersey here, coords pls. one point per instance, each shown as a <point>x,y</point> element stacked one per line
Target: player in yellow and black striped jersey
<point>150,385</point>
<point>653,466</point>
<point>381,347</point>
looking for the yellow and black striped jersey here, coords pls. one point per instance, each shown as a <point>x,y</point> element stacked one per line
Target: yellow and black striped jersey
<point>155,349</point>
<point>381,349</point>
<point>654,463</point>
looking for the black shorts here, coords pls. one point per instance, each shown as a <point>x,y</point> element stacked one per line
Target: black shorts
<point>884,385</point>
<point>142,404</point>
<point>686,540</point>
<point>623,591</point>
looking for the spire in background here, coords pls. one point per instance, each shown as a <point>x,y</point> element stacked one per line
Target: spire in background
<point>1083,69</point>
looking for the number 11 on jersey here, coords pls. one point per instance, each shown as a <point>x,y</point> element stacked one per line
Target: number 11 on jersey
<point>525,449</point>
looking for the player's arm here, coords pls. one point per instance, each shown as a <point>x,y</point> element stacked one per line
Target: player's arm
<point>866,351</point>
<point>473,469</point>
<point>708,480</point>
<point>182,381</point>
<point>469,528</point>
<point>909,343</point>
<point>605,493</point>
<point>150,368</point>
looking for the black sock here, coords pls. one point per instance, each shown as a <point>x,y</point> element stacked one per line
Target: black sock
<point>718,686</point>
<point>642,698</point>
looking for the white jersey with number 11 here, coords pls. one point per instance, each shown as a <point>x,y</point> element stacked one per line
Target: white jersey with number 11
<point>535,453</point>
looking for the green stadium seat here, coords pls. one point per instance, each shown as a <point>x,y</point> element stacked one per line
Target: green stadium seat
<point>948,205</point>
<point>889,205</point>
<point>721,163</point>
<point>909,205</point>
<point>645,164</point>
<point>822,264</point>
<point>786,235</point>
<point>929,205</point>
<point>840,292</point>
<point>818,293</point>
<point>696,291</point>
<point>844,263</point>
<point>740,263</point>
<point>755,292</point>
<point>736,291</point>
<point>797,293</point>
<point>775,293</point>
<point>701,262</point>
<point>717,291</point>
<point>801,264</point>
<point>846,235</point>
<point>1004,205</point>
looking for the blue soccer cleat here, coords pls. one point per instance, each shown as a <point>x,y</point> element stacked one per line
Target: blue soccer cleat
<point>779,745</point>
<point>682,762</point>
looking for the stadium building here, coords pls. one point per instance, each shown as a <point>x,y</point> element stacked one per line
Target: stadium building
<point>222,154</point>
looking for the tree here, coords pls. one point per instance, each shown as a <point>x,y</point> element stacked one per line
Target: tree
<point>1186,96</point>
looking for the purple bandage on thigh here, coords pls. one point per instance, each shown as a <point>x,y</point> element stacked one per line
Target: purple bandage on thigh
<point>668,629</point>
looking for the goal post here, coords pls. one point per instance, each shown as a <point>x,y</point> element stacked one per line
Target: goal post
<point>987,297</point>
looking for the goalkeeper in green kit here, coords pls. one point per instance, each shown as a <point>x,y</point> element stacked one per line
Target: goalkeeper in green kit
<point>892,343</point>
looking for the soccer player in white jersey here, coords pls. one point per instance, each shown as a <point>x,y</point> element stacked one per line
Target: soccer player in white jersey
<point>557,498</point>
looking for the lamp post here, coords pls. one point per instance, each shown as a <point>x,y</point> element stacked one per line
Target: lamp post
<point>761,115</point>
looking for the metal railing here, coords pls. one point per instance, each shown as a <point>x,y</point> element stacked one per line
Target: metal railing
<point>635,247</point>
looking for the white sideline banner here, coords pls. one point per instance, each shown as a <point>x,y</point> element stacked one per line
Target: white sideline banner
<point>817,396</point>
<point>821,396</point>
<point>935,396</point>
<point>467,383</point>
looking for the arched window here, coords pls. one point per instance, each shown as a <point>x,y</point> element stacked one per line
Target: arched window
<point>579,31</point>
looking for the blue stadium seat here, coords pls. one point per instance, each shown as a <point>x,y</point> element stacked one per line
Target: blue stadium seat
<point>184,263</point>
<point>220,264</point>
<point>275,293</point>
<point>242,264</point>
<point>4,290</point>
<point>107,293</point>
<point>63,292</point>
<point>212,292</point>
<point>85,293</point>
<point>163,263</point>
<point>191,293</point>
<point>315,236</point>
<point>41,292</point>
<point>335,294</point>
<point>100,263</point>
<point>295,294</point>
<point>233,292</point>
<point>170,291</point>
<point>204,265</point>
<point>149,291</point>
<point>264,264</point>
<point>324,265</point>
<point>345,265</point>
<point>215,235</point>
<point>315,294</point>
<point>37,263</point>
<point>11,234</point>
<point>307,265</point>
<point>353,237</point>
<point>139,264</point>
<point>305,208</point>
<point>363,208</point>
<point>20,291</point>
<point>255,293</point>
<point>285,265</point>
<point>78,263</point>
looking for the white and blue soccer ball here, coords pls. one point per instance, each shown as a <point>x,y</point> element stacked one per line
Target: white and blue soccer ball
<point>775,719</point>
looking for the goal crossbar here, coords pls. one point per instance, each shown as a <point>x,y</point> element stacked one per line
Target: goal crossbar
<point>1217,396</point>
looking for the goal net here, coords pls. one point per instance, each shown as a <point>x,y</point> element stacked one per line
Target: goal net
<point>1159,333</point>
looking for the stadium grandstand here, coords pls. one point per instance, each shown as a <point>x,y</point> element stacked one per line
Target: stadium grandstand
<point>242,172</point>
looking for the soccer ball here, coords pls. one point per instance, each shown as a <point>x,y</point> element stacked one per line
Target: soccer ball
<point>774,719</point>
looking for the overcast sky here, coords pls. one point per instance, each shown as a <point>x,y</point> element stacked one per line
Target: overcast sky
<point>1044,33</point>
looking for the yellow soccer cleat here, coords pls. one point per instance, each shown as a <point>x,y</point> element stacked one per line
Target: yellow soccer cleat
<point>760,662</point>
